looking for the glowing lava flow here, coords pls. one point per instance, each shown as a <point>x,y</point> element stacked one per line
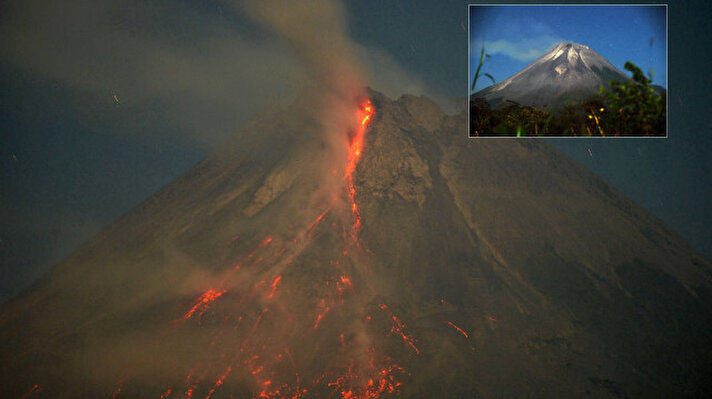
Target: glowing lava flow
<point>354,153</point>
<point>219,382</point>
<point>370,382</point>
<point>324,310</point>
<point>274,286</point>
<point>366,113</point>
<point>399,328</point>
<point>355,148</point>
<point>458,329</point>
<point>203,302</point>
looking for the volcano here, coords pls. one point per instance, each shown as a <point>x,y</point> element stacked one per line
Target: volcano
<point>441,267</point>
<point>567,73</point>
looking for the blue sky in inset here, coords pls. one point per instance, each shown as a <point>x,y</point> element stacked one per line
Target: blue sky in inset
<point>515,36</point>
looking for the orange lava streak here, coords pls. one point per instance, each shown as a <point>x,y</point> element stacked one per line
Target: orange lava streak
<point>320,316</point>
<point>356,146</point>
<point>203,302</point>
<point>194,385</point>
<point>308,231</point>
<point>398,328</point>
<point>325,310</point>
<point>274,286</point>
<point>368,382</point>
<point>208,297</point>
<point>459,329</point>
<point>166,393</point>
<point>219,382</point>
<point>361,380</point>
<point>355,149</point>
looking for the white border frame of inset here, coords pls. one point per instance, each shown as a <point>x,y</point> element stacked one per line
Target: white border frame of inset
<point>667,70</point>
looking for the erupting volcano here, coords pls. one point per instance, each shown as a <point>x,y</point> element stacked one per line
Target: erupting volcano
<point>429,266</point>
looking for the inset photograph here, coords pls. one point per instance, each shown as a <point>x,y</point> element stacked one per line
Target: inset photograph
<point>567,71</point>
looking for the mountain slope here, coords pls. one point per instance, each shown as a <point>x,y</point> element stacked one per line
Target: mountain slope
<point>567,73</point>
<point>465,269</point>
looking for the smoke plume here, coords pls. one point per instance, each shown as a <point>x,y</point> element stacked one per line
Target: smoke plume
<point>317,33</point>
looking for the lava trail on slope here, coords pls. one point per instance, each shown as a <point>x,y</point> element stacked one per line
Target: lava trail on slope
<point>277,354</point>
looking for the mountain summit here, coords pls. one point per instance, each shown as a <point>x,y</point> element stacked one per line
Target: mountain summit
<point>454,268</point>
<point>567,73</point>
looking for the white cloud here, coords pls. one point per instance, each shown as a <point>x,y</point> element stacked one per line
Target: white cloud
<point>525,50</point>
<point>522,39</point>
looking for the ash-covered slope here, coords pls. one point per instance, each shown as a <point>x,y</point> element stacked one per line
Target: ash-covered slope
<point>567,73</point>
<point>480,269</point>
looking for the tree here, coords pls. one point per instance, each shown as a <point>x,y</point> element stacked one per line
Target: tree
<point>633,107</point>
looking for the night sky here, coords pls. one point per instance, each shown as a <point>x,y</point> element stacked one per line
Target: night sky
<point>102,104</point>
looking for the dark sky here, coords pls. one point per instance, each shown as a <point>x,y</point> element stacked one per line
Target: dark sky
<point>102,104</point>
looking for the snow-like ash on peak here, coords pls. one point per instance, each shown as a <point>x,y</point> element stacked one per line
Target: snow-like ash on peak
<point>567,72</point>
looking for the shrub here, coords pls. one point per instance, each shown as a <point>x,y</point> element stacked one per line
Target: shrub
<point>634,108</point>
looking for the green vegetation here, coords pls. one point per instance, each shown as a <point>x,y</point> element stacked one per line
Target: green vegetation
<point>633,108</point>
<point>483,57</point>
